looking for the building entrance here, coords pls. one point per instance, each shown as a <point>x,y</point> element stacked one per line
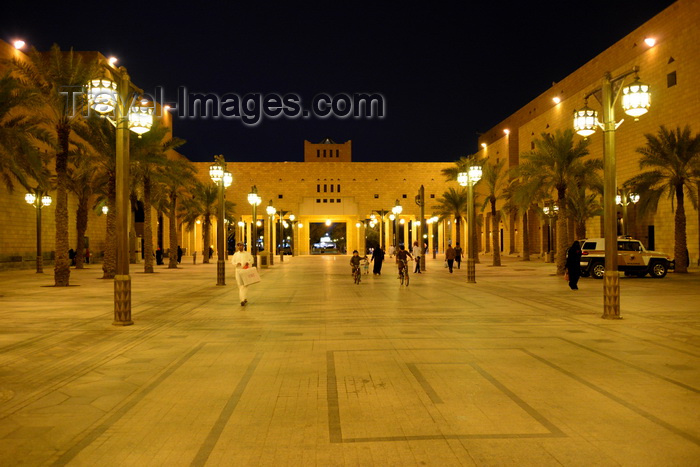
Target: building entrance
<point>327,238</point>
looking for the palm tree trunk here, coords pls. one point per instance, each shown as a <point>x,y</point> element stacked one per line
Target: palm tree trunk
<point>109,261</point>
<point>133,258</point>
<point>458,229</point>
<point>62,262</point>
<point>81,221</point>
<point>147,230</point>
<point>495,235</point>
<point>205,247</point>
<point>512,222</point>
<point>477,243</point>
<point>526,237</point>
<point>562,232</point>
<point>172,257</point>
<point>487,237</point>
<point>681,241</point>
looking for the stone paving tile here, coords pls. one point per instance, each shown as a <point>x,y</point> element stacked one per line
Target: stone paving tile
<point>513,370</point>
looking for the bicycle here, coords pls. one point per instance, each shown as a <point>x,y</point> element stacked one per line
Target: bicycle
<point>357,276</point>
<point>403,272</point>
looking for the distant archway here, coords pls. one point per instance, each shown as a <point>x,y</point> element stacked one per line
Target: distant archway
<point>327,239</point>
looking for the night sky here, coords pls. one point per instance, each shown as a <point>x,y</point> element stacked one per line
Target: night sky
<point>446,73</point>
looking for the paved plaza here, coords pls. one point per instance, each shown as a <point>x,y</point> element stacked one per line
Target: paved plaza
<point>513,370</point>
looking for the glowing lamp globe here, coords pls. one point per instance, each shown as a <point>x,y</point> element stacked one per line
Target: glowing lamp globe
<point>636,99</point>
<point>102,95</point>
<point>228,179</point>
<point>216,172</point>
<point>140,119</point>
<point>474,173</point>
<point>585,121</point>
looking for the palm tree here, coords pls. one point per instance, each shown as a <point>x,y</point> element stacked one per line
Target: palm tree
<point>556,164</point>
<point>453,203</point>
<point>462,165</point>
<point>673,160</point>
<point>203,204</point>
<point>99,136</point>
<point>82,181</point>
<point>179,179</point>
<point>583,206</point>
<point>495,180</point>
<point>149,155</point>
<point>49,75</point>
<point>19,135</point>
<point>519,198</point>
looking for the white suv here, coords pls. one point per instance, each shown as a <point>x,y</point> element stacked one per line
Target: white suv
<point>632,259</point>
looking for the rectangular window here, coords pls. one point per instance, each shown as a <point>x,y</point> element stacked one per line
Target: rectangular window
<point>337,153</point>
<point>332,200</point>
<point>405,196</point>
<point>325,200</point>
<point>325,188</point>
<point>432,195</point>
<point>318,200</point>
<point>318,153</point>
<point>337,201</point>
<point>671,79</point>
<point>280,196</point>
<point>376,196</point>
<point>318,188</point>
<point>332,188</point>
<point>338,190</point>
<point>324,153</point>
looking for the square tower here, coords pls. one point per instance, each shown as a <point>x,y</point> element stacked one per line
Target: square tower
<point>327,150</point>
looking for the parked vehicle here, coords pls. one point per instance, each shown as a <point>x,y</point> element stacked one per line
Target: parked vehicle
<point>632,259</point>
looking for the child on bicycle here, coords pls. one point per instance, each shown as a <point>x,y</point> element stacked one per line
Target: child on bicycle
<point>402,257</point>
<point>355,260</point>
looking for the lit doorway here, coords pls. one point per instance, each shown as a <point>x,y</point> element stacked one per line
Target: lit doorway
<point>327,238</point>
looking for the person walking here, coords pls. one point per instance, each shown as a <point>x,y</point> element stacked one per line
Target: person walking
<point>241,260</point>
<point>417,254</point>
<point>459,254</point>
<point>450,256</point>
<point>179,254</point>
<point>573,264</point>
<point>377,258</point>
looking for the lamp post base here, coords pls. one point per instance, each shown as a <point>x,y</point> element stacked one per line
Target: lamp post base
<point>471,271</point>
<point>39,265</point>
<point>122,300</point>
<point>611,295</point>
<point>220,272</point>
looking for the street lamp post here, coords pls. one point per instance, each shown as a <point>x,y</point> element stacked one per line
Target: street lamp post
<point>396,211</point>
<point>551,210</point>
<point>254,201</point>
<point>469,179</point>
<point>281,231</point>
<point>271,211</point>
<point>636,100</point>
<point>38,200</point>
<point>116,98</point>
<point>420,201</point>
<point>624,199</point>
<point>293,243</point>
<point>223,179</point>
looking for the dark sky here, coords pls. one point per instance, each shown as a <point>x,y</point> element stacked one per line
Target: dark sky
<point>446,72</point>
